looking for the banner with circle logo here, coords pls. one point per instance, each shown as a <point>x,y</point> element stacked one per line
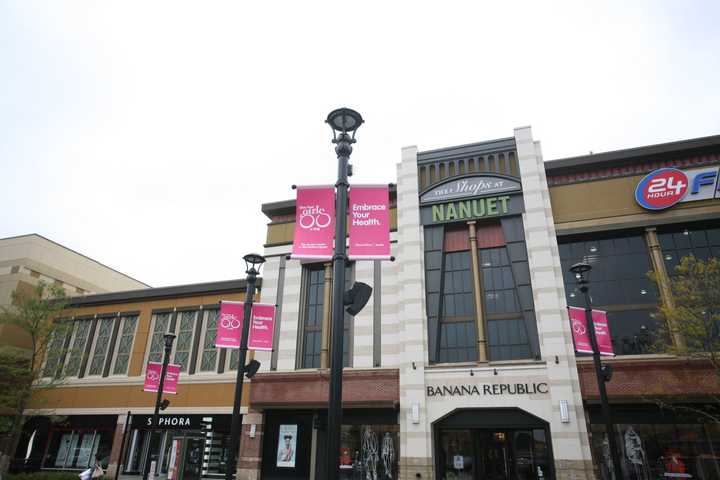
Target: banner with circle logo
<point>230,321</point>
<point>229,326</point>
<point>581,335</point>
<point>152,377</point>
<point>369,229</point>
<point>314,223</point>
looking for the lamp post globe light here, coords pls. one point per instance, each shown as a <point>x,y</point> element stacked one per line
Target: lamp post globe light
<point>344,123</point>
<point>582,277</point>
<point>253,262</point>
<point>160,404</point>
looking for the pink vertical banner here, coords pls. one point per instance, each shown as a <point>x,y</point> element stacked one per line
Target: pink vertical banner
<point>581,335</point>
<point>369,228</point>
<point>314,223</point>
<point>152,377</point>
<point>262,326</point>
<point>602,332</point>
<point>229,326</point>
<point>578,324</point>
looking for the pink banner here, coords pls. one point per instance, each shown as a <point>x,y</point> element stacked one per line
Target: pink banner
<point>152,377</point>
<point>369,227</point>
<point>229,326</point>
<point>261,327</point>
<point>314,223</point>
<point>581,335</point>
<point>602,332</point>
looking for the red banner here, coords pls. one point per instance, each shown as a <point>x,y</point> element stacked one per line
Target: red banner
<point>262,327</point>
<point>229,324</point>
<point>581,335</point>
<point>152,377</point>
<point>314,223</point>
<point>369,228</point>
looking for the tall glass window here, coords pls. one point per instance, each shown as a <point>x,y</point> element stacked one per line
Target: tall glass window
<point>101,345</point>
<point>209,354</point>
<point>123,348</point>
<point>55,351</point>
<point>78,341</point>
<point>161,324</point>
<point>507,333</point>
<point>185,333</point>
<point>312,316</point>
<point>505,295</point>
<point>619,284</point>
<point>458,339</point>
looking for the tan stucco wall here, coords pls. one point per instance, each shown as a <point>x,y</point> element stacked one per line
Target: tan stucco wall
<point>126,392</point>
<point>612,202</point>
<point>129,396</point>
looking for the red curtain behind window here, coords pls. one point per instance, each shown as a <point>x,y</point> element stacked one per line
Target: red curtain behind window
<point>490,235</point>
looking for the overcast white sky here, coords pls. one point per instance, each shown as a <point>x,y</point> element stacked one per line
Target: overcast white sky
<point>147,134</point>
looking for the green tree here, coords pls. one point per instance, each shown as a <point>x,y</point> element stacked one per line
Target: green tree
<point>692,318</point>
<point>25,371</point>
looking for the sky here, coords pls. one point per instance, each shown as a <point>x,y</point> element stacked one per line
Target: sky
<point>147,134</point>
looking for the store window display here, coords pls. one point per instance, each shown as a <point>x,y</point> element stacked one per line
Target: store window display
<point>78,449</point>
<point>650,451</point>
<point>369,452</point>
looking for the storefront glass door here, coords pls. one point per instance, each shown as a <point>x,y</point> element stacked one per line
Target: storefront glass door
<point>475,454</point>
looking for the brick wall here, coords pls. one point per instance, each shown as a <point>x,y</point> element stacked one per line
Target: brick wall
<point>306,389</point>
<point>634,379</point>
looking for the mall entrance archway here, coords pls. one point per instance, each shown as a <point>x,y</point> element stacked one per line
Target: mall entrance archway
<point>492,444</point>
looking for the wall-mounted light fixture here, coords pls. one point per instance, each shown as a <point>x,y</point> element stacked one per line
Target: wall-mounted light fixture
<point>564,412</point>
<point>415,413</point>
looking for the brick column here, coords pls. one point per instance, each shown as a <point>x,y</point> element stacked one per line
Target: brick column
<point>251,448</point>
<point>115,459</point>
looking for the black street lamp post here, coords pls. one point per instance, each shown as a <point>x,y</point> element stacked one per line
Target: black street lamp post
<point>169,339</point>
<point>253,261</point>
<point>603,374</point>
<point>343,122</point>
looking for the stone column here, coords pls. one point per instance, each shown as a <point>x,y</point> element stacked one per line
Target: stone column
<point>569,440</point>
<point>415,438</point>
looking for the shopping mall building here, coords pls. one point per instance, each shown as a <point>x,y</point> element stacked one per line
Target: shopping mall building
<point>462,364</point>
